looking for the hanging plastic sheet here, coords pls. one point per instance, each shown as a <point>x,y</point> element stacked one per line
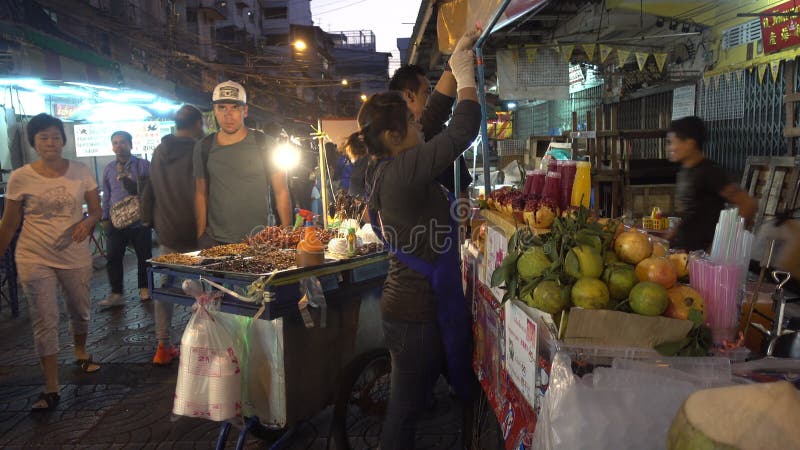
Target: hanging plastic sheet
<point>457,16</point>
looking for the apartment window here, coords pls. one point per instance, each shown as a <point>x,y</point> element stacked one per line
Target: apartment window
<point>276,13</point>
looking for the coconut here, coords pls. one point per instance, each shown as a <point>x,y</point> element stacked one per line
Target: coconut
<point>747,417</point>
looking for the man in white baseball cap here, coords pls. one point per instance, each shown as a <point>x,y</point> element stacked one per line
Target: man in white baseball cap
<point>236,187</point>
<point>229,92</point>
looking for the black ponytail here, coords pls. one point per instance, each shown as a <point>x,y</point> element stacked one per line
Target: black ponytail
<point>386,111</point>
<point>355,147</point>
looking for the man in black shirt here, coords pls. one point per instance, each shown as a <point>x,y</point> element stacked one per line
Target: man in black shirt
<point>431,110</point>
<point>703,187</point>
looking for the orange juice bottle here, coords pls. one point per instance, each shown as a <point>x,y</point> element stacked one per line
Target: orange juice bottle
<point>582,186</point>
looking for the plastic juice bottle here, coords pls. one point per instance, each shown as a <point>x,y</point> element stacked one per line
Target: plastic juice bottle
<point>582,186</point>
<point>351,241</point>
<point>552,187</point>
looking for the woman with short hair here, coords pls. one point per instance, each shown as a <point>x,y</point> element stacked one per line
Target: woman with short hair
<point>52,248</point>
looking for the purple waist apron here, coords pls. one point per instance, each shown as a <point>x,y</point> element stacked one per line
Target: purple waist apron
<point>452,310</point>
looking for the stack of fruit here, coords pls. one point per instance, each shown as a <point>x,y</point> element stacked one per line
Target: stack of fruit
<point>535,212</point>
<point>596,264</point>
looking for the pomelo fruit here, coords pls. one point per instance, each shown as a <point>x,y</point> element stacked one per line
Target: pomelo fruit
<point>657,270</point>
<point>620,279</point>
<point>743,417</point>
<point>532,263</point>
<point>549,297</point>
<point>681,263</point>
<point>590,293</point>
<point>682,299</point>
<point>632,247</point>
<point>583,261</point>
<point>648,299</point>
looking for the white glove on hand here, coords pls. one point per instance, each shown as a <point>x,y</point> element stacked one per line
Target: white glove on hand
<point>462,61</point>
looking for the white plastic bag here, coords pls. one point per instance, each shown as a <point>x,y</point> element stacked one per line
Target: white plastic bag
<point>611,409</point>
<point>209,376</point>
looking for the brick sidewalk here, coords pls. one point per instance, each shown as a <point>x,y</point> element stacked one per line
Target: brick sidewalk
<point>128,403</point>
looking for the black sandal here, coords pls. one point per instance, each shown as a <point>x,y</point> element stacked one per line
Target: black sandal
<point>86,365</point>
<point>51,399</point>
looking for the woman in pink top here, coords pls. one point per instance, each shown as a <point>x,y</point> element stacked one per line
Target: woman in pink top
<point>52,248</point>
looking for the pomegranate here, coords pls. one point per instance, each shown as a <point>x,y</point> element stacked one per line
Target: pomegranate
<point>682,299</point>
<point>657,270</point>
<point>633,246</point>
<point>681,263</point>
<point>540,213</point>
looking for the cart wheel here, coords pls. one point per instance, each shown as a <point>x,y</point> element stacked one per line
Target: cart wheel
<point>268,435</point>
<point>362,401</point>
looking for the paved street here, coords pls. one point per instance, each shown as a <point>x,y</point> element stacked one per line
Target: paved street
<point>128,403</point>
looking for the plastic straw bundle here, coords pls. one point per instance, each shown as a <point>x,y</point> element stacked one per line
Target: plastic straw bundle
<point>719,284</point>
<point>732,243</point>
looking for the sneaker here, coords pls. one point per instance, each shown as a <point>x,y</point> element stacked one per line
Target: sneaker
<point>144,295</point>
<point>165,355</point>
<point>113,299</point>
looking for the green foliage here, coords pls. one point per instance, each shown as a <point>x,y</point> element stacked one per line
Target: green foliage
<point>566,232</point>
<point>696,343</point>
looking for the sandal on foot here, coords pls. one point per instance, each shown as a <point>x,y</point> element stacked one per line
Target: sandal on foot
<point>50,400</point>
<point>87,365</point>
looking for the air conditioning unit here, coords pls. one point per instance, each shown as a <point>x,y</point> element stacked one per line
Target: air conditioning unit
<point>741,34</point>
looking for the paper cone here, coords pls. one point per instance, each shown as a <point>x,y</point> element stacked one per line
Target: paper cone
<point>567,51</point>
<point>622,56</point>
<point>641,59</point>
<point>774,66</point>
<point>589,49</point>
<point>661,58</point>
<point>604,52</point>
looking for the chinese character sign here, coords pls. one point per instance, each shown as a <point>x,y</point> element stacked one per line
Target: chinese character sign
<point>94,139</point>
<point>780,32</point>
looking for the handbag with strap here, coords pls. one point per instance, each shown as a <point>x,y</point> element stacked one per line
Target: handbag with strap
<point>125,212</point>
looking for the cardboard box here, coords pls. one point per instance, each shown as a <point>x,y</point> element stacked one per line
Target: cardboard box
<point>619,329</point>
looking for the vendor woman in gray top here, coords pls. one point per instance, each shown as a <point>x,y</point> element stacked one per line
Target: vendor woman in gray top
<point>425,316</point>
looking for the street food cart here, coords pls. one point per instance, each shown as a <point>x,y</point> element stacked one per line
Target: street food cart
<point>301,366</point>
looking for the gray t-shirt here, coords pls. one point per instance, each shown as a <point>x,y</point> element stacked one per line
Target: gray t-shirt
<point>238,186</point>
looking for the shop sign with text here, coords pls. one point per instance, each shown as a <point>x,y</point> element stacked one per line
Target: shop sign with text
<point>779,32</point>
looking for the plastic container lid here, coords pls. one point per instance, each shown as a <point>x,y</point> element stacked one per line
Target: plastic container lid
<point>554,174</point>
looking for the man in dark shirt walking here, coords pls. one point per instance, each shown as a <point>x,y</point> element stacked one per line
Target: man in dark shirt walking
<point>168,205</point>
<point>703,187</point>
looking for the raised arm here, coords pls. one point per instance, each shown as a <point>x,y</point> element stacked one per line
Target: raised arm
<point>439,107</point>
<point>426,162</point>
<point>747,205</point>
